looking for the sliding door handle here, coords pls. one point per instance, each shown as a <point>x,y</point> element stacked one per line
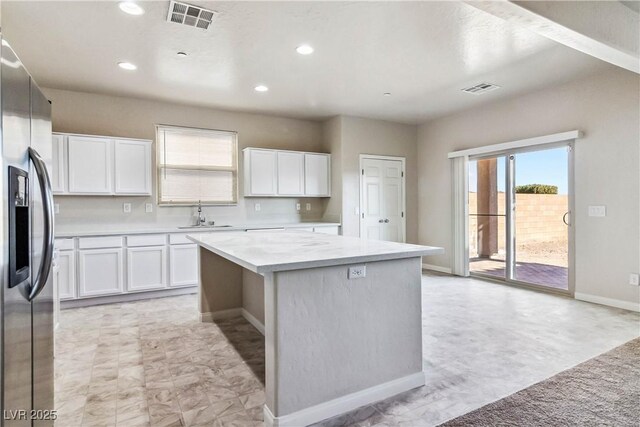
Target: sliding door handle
<point>564,218</point>
<point>47,244</point>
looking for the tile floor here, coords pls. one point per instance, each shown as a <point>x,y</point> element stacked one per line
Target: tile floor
<point>151,363</point>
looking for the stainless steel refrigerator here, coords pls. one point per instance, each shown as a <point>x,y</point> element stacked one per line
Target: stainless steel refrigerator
<point>26,311</point>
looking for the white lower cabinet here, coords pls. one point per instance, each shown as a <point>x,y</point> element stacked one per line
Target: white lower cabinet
<point>66,274</point>
<point>100,272</point>
<point>146,268</point>
<point>183,265</point>
<point>332,229</point>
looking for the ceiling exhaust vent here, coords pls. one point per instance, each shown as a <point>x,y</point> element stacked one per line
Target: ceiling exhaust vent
<point>480,88</point>
<point>193,16</point>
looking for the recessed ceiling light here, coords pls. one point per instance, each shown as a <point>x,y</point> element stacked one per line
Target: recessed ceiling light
<point>304,49</point>
<point>387,94</point>
<point>127,66</point>
<point>261,88</point>
<point>181,54</point>
<point>131,8</point>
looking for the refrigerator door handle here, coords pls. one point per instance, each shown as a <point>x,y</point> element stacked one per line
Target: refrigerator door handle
<point>47,244</point>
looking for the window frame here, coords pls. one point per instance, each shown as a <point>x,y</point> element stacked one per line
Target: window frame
<point>160,167</point>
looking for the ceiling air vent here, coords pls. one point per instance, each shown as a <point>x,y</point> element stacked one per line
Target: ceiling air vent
<point>193,16</point>
<point>480,88</point>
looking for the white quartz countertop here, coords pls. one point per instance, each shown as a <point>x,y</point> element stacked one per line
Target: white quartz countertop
<point>108,230</point>
<point>271,251</point>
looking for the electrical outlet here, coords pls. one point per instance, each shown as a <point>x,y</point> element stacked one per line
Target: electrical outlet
<point>634,279</point>
<point>298,207</point>
<point>148,207</point>
<point>56,208</point>
<point>126,207</point>
<point>597,211</point>
<point>257,207</point>
<point>357,272</point>
<point>308,206</point>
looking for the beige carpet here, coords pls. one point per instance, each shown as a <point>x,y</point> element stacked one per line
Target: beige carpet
<point>603,391</point>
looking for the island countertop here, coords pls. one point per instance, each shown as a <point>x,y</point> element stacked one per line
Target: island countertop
<point>265,252</point>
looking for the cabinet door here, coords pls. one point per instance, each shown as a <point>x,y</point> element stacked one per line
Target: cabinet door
<point>58,165</point>
<point>146,268</point>
<point>90,164</point>
<point>261,173</point>
<point>66,262</point>
<point>290,173</point>
<point>183,265</point>
<point>132,167</point>
<point>317,174</point>
<point>100,272</point>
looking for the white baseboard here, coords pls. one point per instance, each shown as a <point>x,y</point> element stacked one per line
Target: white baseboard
<point>134,296</point>
<point>232,312</point>
<point>436,268</point>
<point>626,305</point>
<point>222,314</point>
<point>253,320</point>
<point>344,404</point>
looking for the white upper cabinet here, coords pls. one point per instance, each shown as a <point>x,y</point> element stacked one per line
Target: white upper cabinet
<point>95,165</point>
<point>290,173</point>
<point>132,166</point>
<point>58,162</point>
<point>260,168</point>
<point>317,175</point>
<point>90,165</point>
<point>286,173</point>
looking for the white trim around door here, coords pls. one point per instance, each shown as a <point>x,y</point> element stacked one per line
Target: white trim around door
<point>361,212</point>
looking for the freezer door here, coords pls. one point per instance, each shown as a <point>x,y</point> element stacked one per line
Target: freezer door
<point>41,237</point>
<point>16,309</point>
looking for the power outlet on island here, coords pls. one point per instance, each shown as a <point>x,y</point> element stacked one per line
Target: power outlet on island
<point>357,272</point>
<point>634,279</point>
<point>126,207</point>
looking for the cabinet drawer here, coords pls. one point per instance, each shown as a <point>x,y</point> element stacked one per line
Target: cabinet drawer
<point>100,242</point>
<point>64,244</point>
<point>147,240</point>
<point>180,239</point>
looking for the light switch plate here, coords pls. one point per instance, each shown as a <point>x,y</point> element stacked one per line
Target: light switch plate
<point>257,207</point>
<point>308,206</point>
<point>298,206</point>
<point>634,279</point>
<point>148,207</point>
<point>357,272</point>
<point>56,208</point>
<point>126,207</point>
<point>598,210</point>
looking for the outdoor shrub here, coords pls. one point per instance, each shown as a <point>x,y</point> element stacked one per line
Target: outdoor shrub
<point>537,189</point>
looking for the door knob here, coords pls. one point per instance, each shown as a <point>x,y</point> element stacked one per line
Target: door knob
<point>381,220</point>
<point>386,220</point>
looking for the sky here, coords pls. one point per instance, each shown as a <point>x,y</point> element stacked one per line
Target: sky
<point>539,167</point>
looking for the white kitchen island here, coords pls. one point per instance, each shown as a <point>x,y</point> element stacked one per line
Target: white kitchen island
<point>335,340</point>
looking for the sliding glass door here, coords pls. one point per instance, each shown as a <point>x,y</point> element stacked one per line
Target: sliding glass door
<point>519,220</point>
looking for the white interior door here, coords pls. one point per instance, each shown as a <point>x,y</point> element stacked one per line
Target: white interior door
<point>382,203</point>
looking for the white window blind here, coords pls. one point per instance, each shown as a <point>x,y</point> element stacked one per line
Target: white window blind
<point>197,165</point>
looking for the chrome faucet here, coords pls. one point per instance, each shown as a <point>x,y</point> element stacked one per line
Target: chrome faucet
<point>201,218</point>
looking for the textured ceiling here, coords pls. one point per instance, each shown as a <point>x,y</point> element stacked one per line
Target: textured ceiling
<point>423,53</point>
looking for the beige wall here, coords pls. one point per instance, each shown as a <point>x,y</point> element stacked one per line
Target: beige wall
<point>366,136</point>
<point>605,107</point>
<point>332,143</point>
<point>135,118</point>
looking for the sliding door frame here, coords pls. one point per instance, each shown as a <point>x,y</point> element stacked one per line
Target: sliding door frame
<point>510,165</point>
